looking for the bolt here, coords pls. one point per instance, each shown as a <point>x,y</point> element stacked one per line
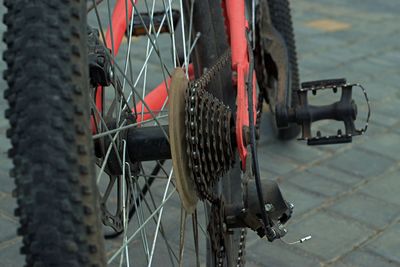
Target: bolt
<point>111,73</point>
<point>291,206</point>
<point>268,207</point>
<point>224,228</point>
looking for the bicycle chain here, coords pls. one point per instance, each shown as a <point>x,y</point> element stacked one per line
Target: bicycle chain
<point>242,246</point>
<point>210,153</point>
<point>208,127</point>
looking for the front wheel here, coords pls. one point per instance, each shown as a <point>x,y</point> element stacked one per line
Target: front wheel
<point>48,111</point>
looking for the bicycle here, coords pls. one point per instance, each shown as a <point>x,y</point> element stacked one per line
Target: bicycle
<point>77,118</point>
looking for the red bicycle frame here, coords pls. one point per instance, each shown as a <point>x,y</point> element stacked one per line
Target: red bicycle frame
<point>236,24</point>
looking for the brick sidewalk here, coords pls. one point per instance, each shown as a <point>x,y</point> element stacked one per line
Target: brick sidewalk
<point>346,196</point>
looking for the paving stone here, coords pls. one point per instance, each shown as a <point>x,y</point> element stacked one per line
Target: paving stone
<point>325,42</point>
<point>7,183</point>
<point>278,254</point>
<point>370,211</point>
<point>361,163</point>
<point>331,235</point>
<point>391,56</point>
<point>377,91</point>
<point>333,174</point>
<point>250,263</point>
<point>317,184</point>
<point>8,228</point>
<point>297,151</point>
<point>388,243</point>
<point>339,264</point>
<point>365,257</point>
<point>10,255</point>
<point>8,205</point>
<point>390,109</point>
<point>380,119</point>
<point>385,144</point>
<point>385,188</point>
<point>274,164</point>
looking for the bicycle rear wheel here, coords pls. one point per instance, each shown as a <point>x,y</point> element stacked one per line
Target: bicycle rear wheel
<point>280,16</point>
<point>60,181</point>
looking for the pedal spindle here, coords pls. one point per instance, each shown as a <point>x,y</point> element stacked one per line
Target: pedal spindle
<point>344,110</point>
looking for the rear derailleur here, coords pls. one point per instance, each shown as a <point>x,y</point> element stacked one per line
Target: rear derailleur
<point>247,214</point>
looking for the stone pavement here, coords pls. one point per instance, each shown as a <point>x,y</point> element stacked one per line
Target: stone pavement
<point>346,196</point>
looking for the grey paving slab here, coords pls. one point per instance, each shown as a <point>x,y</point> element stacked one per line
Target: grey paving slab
<point>385,144</point>
<point>361,163</point>
<point>8,228</point>
<point>8,205</point>
<point>10,254</point>
<point>278,254</point>
<point>332,235</point>
<point>388,244</point>
<point>385,188</point>
<point>339,264</point>
<point>276,165</point>
<point>297,151</point>
<point>370,211</point>
<point>379,119</point>
<point>365,257</point>
<point>317,184</point>
<point>329,173</point>
<point>389,109</point>
<point>7,183</point>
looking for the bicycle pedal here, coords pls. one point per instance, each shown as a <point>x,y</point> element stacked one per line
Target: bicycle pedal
<point>323,84</point>
<point>344,110</point>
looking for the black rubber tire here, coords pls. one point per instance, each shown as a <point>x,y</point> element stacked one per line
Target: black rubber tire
<point>282,21</point>
<point>48,111</point>
<point>209,20</point>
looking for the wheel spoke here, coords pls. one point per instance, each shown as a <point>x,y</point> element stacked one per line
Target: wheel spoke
<point>124,210</point>
<point>170,250</point>
<point>140,218</point>
<point>182,235</point>
<point>132,80</point>
<point>164,201</point>
<point>196,236</point>
<point>159,221</point>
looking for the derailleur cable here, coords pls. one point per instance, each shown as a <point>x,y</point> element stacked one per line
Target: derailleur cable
<point>270,233</point>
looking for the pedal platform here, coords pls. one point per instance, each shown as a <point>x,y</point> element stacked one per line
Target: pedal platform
<point>344,110</point>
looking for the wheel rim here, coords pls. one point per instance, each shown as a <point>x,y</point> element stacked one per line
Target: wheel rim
<point>149,235</point>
